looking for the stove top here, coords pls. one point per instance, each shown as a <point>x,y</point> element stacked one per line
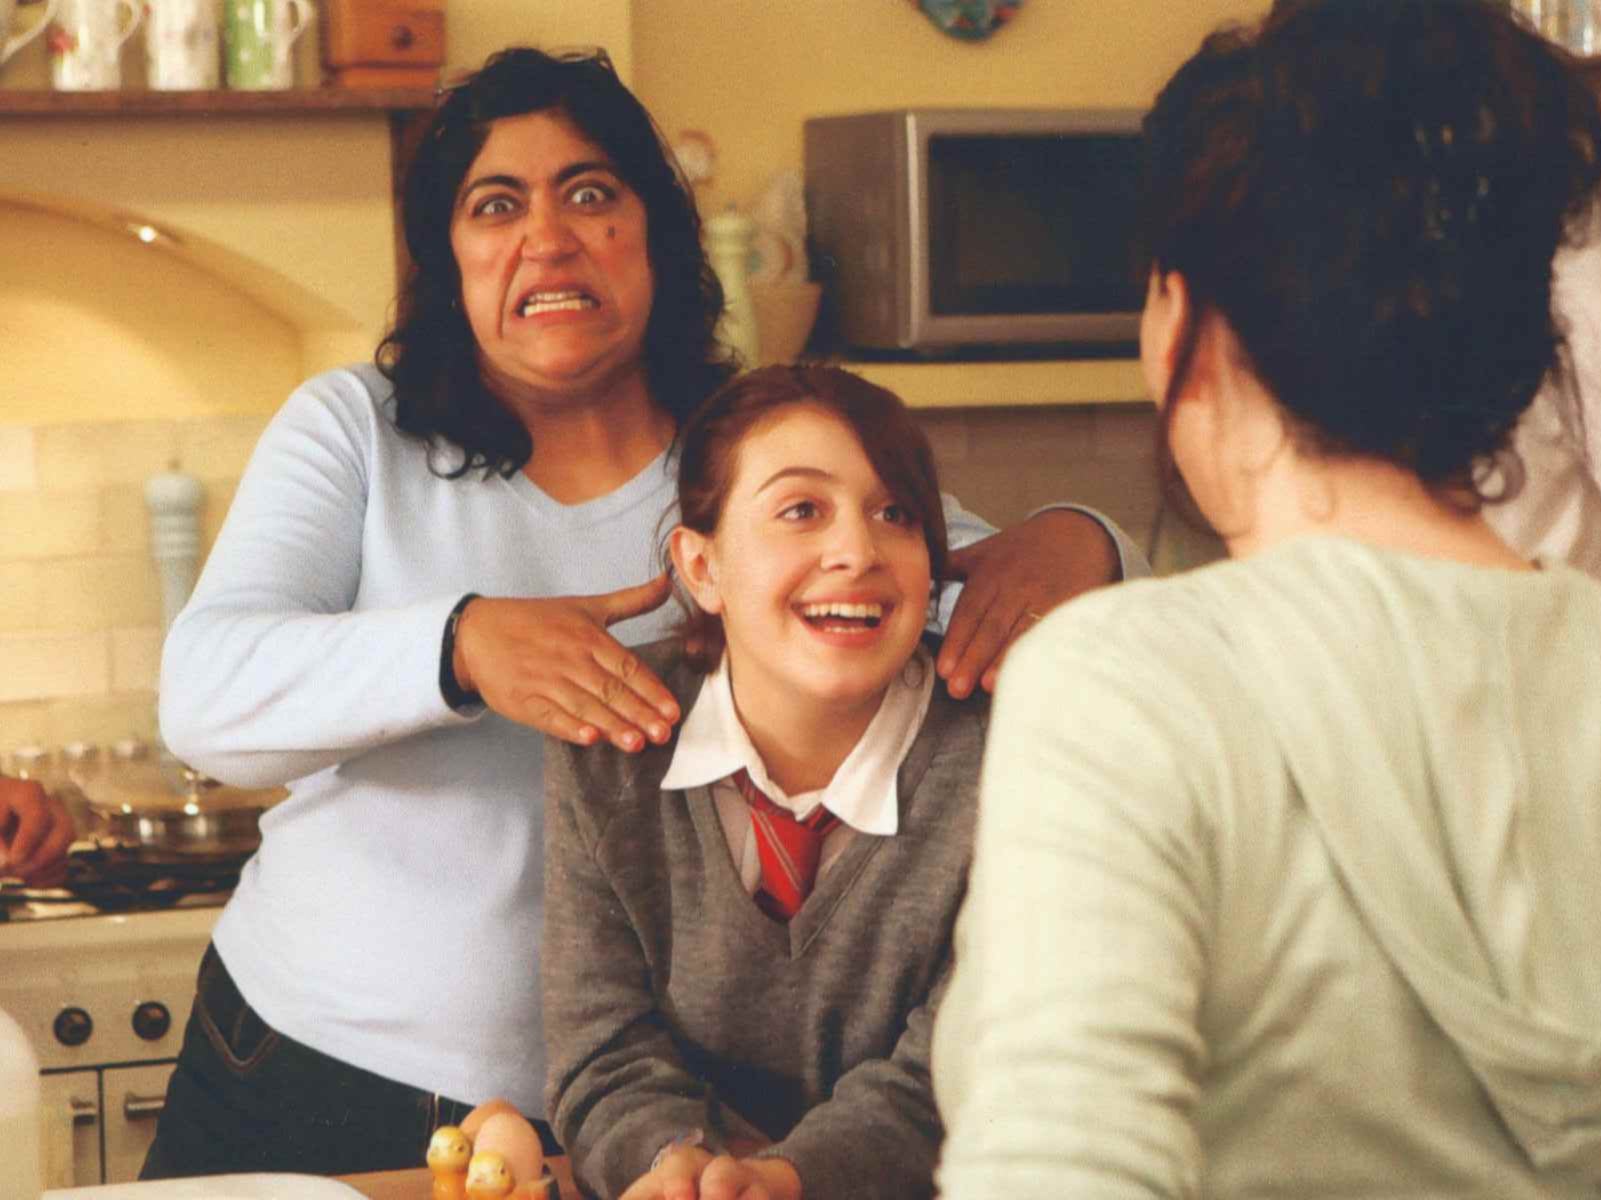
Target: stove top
<point>107,878</point>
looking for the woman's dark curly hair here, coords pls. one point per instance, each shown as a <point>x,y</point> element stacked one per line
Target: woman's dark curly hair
<point>430,355</point>
<point>1371,192</point>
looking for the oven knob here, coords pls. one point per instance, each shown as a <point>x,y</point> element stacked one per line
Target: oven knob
<point>73,1026</point>
<point>151,1020</point>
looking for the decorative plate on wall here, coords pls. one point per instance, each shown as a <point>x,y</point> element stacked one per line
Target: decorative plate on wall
<point>970,20</point>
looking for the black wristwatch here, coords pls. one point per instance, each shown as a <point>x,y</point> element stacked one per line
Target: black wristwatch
<point>455,695</point>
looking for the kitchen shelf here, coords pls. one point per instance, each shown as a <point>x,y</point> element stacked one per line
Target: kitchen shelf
<point>293,102</point>
<point>1030,384</point>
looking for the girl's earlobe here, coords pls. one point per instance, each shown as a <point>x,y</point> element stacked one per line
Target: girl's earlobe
<point>694,561</point>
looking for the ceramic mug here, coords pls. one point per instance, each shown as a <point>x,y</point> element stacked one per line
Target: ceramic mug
<point>259,38</point>
<point>86,40</point>
<point>10,43</point>
<point>183,44</point>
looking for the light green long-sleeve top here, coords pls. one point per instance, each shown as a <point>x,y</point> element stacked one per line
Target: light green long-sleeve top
<point>1288,883</point>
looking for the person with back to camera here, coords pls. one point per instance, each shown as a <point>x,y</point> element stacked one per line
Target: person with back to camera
<point>747,928</point>
<point>1287,876</point>
<point>422,560</point>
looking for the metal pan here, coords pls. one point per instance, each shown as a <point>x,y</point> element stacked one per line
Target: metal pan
<point>166,808</point>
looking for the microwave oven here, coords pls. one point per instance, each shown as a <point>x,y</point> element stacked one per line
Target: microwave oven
<point>938,230</point>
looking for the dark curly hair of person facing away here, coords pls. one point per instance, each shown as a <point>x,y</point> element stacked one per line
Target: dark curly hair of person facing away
<point>1371,192</point>
<point>430,355</point>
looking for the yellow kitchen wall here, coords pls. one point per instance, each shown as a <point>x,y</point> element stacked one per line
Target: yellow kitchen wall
<point>474,29</point>
<point>748,72</point>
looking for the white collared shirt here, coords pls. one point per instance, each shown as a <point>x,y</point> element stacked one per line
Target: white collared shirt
<point>713,746</point>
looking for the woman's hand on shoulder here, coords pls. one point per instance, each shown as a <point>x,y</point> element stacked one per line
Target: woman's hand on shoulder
<point>1013,578</point>
<point>550,664</point>
<point>35,831</point>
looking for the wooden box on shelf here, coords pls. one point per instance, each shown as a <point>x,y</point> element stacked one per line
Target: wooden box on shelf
<point>384,43</point>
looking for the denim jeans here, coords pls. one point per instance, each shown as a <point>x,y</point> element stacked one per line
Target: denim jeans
<point>245,1097</point>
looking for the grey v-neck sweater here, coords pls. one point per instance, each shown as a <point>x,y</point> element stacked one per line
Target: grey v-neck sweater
<point>673,1004</point>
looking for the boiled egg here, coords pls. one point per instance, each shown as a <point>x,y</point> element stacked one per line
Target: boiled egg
<point>473,1121</point>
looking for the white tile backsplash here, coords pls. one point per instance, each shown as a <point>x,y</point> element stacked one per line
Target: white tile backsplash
<point>218,448</point>
<point>86,456</point>
<point>135,659</point>
<point>20,596</point>
<point>18,462</point>
<point>37,525</point>
<point>80,602</point>
<point>40,665</point>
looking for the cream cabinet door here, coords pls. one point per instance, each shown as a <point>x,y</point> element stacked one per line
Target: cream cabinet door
<point>71,1129</point>
<point>134,1099</point>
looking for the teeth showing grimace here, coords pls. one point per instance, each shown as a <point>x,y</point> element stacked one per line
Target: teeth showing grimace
<point>546,302</point>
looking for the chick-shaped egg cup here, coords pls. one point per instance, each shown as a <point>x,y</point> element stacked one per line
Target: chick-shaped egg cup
<point>488,1176</point>
<point>511,1136</point>
<point>449,1151</point>
<point>494,1154</point>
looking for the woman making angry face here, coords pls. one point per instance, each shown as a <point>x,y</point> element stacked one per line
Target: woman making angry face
<point>556,280</point>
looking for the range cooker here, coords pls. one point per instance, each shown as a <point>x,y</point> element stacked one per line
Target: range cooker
<point>101,977</point>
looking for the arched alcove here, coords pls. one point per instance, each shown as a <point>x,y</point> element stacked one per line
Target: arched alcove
<point>96,324</point>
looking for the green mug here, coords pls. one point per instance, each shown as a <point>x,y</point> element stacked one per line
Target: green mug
<point>258,42</point>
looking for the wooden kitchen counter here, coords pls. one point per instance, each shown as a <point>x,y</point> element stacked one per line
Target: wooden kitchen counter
<point>417,1184</point>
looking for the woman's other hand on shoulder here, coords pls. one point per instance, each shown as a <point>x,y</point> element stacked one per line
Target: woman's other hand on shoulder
<point>1013,578</point>
<point>551,665</point>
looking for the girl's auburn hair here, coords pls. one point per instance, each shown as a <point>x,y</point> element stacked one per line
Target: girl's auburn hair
<point>707,453</point>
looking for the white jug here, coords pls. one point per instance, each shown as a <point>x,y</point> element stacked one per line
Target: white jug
<point>9,44</point>
<point>183,45</point>
<point>86,43</point>
<point>21,1109</point>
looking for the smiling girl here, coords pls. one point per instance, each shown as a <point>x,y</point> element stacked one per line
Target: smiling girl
<point>747,927</point>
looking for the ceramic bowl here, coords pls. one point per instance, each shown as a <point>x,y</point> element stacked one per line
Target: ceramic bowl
<point>785,313</point>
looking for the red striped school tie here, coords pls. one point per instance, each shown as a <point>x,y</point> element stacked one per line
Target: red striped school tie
<point>789,850</point>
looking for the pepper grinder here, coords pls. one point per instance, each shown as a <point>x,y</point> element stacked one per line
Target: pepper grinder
<point>729,237</point>
<point>173,500</point>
